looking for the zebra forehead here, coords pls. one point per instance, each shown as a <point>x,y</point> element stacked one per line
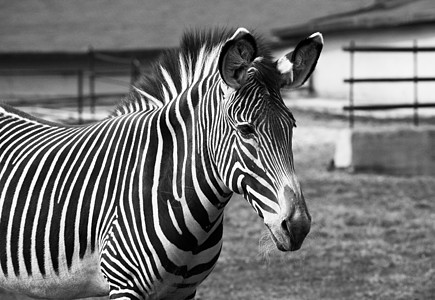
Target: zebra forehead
<point>265,72</point>
<point>266,104</point>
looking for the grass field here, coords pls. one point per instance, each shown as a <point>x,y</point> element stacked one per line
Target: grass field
<point>372,237</point>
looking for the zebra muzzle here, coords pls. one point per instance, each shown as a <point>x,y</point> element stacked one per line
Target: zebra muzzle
<point>289,236</point>
<point>292,225</point>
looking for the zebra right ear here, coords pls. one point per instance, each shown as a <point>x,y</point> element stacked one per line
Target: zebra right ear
<point>236,56</point>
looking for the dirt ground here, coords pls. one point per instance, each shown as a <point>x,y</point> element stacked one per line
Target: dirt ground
<point>372,236</point>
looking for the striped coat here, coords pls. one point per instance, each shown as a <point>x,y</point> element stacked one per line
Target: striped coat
<point>132,206</point>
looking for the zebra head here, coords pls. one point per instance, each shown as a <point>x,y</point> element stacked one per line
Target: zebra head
<point>255,151</point>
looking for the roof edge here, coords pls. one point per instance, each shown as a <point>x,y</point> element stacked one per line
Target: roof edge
<point>297,32</point>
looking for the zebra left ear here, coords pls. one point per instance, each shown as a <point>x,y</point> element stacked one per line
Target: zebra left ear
<point>297,66</point>
<point>236,56</point>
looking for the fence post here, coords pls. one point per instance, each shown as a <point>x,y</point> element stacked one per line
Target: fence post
<point>416,119</point>
<point>351,100</point>
<point>91,57</point>
<point>135,70</point>
<point>311,84</point>
<point>80,95</point>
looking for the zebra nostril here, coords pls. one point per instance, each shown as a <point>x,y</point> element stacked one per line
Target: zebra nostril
<point>284,226</point>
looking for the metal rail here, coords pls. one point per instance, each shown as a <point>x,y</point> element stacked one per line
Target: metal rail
<point>387,106</point>
<point>390,79</point>
<point>352,49</point>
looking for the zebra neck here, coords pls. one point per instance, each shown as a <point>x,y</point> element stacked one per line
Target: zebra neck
<point>188,180</point>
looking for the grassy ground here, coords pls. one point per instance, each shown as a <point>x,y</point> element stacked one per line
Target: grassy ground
<point>372,237</point>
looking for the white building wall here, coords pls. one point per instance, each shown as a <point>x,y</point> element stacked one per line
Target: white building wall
<point>55,86</point>
<point>59,85</point>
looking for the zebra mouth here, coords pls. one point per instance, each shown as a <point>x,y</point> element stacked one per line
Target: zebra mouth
<point>282,238</point>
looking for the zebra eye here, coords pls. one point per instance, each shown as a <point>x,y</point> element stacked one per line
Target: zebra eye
<point>246,129</point>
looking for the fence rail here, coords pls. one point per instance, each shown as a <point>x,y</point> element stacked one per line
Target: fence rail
<point>415,49</point>
<point>390,79</point>
<point>388,106</point>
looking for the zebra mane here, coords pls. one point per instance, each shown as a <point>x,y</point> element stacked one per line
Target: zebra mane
<point>177,68</point>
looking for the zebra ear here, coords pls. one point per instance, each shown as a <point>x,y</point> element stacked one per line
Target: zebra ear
<point>236,56</point>
<point>297,66</point>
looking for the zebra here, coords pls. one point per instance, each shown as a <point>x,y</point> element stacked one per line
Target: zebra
<point>132,206</point>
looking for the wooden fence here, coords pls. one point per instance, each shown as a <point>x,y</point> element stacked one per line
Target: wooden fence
<point>131,68</point>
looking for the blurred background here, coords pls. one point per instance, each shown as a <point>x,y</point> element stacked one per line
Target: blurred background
<point>364,145</point>
<point>85,53</point>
